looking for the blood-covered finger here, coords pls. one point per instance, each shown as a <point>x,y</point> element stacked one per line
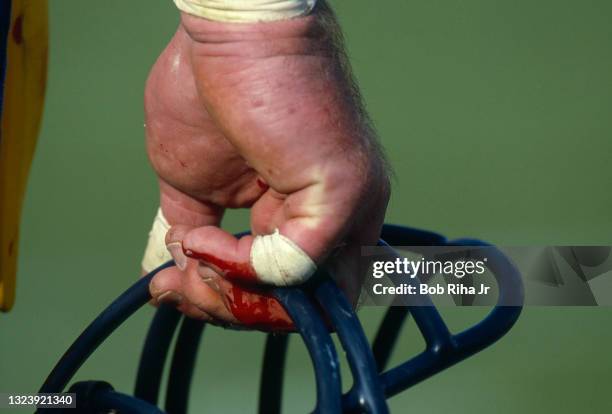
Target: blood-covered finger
<point>269,259</point>
<point>226,254</point>
<point>231,302</point>
<point>167,287</point>
<point>256,309</point>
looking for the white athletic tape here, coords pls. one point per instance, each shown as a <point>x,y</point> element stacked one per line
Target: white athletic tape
<point>279,261</point>
<point>275,258</point>
<point>156,252</point>
<point>246,11</point>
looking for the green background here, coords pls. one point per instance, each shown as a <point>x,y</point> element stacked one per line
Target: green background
<point>496,116</point>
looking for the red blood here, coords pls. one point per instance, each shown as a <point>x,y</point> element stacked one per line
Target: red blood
<point>18,29</point>
<point>238,271</point>
<point>262,184</point>
<point>257,310</point>
<point>253,307</point>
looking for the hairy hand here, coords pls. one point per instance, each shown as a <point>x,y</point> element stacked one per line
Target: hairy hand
<point>262,116</point>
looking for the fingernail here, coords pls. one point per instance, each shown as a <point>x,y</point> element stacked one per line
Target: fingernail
<point>204,273</point>
<point>176,250</point>
<point>170,297</point>
<point>210,279</point>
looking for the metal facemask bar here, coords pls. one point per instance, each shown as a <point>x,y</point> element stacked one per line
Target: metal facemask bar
<point>312,313</point>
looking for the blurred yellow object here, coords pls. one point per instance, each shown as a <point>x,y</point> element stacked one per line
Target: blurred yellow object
<point>24,94</point>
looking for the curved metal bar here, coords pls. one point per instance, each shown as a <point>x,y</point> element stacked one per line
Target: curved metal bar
<point>387,335</point>
<point>442,349</point>
<point>183,364</point>
<point>154,353</point>
<point>390,327</point>
<point>499,321</point>
<point>319,344</point>
<point>272,373</point>
<point>361,361</point>
<point>113,316</point>
<point>428,319</point>
<point>369,390</point>
<point>125,404</point>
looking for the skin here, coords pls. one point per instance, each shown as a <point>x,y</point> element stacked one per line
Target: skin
<point>263,116</point>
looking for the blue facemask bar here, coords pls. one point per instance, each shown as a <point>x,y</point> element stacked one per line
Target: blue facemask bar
<point>372,384</point>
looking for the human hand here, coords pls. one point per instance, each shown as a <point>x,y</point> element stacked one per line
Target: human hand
<point>263,116</point>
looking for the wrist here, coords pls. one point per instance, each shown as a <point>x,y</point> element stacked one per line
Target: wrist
<point>246,11</point>
<point>314,34</point>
